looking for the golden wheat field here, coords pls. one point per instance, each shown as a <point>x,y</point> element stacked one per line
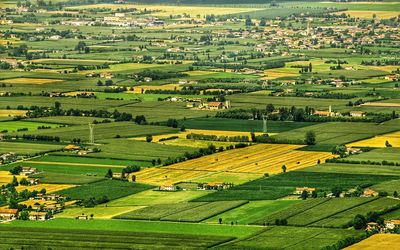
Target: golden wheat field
<point>165,10</point>
<point>369,14</point>
<point>6,177</point>
<point>256,160</point>
<point>182,141</point>
<point>24,80</point>
<point>378,241</point>
<point>12,112</point>
<point>379,141</point>
<point>50,188</point>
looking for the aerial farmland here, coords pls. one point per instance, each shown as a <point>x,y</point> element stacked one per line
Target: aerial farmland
<point>199,124</point>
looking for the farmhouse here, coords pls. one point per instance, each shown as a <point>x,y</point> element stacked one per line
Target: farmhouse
<point>215,105</point>
<point>72,147</point>
<point>8,214</point>
<point>392,224</point>
<point>167,188</point>
<point>27,171</point>
<point>357,114</point>
<point>215,186</point>
<point>328,113</point>
<point>106,75</point>
<point>8,157</point>
<point>218,105</point>
<point>300,190</point>
<point>373,226</point>
<point>41,216</point>
<point>369,193</point>
<point>148,79</point>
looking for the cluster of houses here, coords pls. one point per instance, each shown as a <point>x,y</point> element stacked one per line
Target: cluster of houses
<point>8,157</point>
<point>118,20</point>
<point>330,113</point>
<point>200,104</point>
<point>388,226</point>
<point>43,208</point>
<point>199,186</point>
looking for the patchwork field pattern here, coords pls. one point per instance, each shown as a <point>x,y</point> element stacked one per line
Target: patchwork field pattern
<point>257,159</point>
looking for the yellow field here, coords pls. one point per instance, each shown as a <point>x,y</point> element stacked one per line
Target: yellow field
<point>166,10</point>
<point>182,141</point>
<point>138,89</point>
<point>379,141</point>
<point>12,112</point>
<point>255,160</point>
<point>6,177</point>
<point>50,188</point>
<point>199,131</point>
<point>378,241</point>
<point>369,14</point>
<point>24,80</point>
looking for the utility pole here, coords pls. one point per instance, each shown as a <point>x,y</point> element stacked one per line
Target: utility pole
<point>264,117</point>
<point>91,133</point>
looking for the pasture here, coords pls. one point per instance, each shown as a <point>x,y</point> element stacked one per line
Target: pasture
<point>281,185</point>
<point>28,126</point>
<point>112,189</point>
<point>252,211</point>
<point>49,238</point>
<point>27,148</point>
<point>104,131</point>
<point>277,238</point>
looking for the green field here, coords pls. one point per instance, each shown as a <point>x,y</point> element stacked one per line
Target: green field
<point>343,219</point>
<point>52,238</point>
<point>112,189</point>
<point>27,148</point>
<point>13,126</point>
<point>284,184</point>
<point>242,125</point>
<point>330,134</point>
<point>105,131</point>
<point>294,238</point>
<point>252,211</point>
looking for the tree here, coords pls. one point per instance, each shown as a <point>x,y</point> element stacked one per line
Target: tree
<point>220,220</point>
<point>284,168</point>
<point>395,194</point>
<point>336,191</point>
<point>387,144</point>
<point>183,128</point>
<point>133,178</point>
<point>149,138</point>
<point>310,138</point>
<point>109,173</point>
<point>16,170</point>
<point>24,215</point>
<point>340,150</point>
<point>24,182</point>
<point>263,22</point>
<point>248,21</point>
<point>359,222</point>
<point>314,194</point>
<point>14,182</point>
<point>304,195</point>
